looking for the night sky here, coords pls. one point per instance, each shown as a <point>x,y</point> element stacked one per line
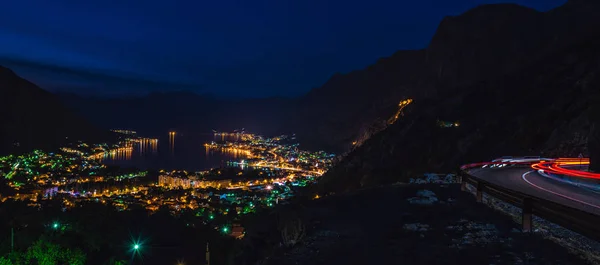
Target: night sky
<point>228,48</point>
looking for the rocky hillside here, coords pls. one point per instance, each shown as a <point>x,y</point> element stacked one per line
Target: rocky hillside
<point>33,118</point>
<point>484,43</point>
<point>405,224</point>
<point>481,44</point>
<point>546,108</point>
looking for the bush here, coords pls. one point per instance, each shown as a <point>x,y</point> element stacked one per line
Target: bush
<point>292,231</point>
<point>43,252</point>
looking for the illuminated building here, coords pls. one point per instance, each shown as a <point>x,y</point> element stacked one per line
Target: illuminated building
<point>128,132</point>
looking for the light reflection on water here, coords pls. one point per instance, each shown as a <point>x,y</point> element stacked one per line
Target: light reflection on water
<point>174,151</point>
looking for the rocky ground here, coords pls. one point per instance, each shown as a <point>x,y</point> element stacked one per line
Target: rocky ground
<point>585,248</point>
<point>414,224</point>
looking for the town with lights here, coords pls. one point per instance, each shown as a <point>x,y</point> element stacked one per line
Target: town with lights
<point>262,173</point>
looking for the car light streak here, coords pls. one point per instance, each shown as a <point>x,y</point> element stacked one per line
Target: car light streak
<point>558,166</point>
<point>556,193</point>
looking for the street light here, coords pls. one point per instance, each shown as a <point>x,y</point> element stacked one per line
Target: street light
<point>136,247</point>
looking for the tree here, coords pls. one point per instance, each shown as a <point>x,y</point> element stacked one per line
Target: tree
<point>5,261</point>
<point>44,252</point>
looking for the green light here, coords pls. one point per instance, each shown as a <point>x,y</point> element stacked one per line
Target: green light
<point>225,229</point>
<point>136,246</point>
<point>211,217</point>
<point>55,225</point>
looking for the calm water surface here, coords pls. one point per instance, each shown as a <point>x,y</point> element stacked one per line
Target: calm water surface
<point>181,151</point>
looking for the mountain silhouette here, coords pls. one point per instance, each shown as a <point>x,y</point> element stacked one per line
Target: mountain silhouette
<point>546,104</point>
<point>485,43</point>
<point>34,118</point>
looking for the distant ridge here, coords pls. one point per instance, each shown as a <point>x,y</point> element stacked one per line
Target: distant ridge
<point>32,118</point>
<point>484,43</point>
<point>548,105</point>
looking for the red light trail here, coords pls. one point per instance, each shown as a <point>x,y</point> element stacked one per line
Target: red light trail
<point>559,165</point>
<point>552,166</point>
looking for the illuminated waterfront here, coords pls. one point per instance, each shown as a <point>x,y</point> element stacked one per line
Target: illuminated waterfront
<point>172,151</point>
<point>230,178</point>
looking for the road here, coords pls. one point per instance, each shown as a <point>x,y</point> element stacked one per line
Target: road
<point>528,181</point>
<point>262,164</point>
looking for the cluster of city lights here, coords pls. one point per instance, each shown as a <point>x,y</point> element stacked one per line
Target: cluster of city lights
<point>263,173</point>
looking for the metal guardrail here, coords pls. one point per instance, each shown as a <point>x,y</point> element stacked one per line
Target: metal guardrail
<point>579,221</point>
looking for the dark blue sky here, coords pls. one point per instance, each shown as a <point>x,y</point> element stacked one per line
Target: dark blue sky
<point>227,47</point>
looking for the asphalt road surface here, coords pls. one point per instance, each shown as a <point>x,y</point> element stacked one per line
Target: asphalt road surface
<point>528,181</point>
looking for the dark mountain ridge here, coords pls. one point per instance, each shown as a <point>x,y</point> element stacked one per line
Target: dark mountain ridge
<point>484,43</point>
<point>34,118</point>
<point>548,108</point>
<point>158,112</point>
<point>517,80</point>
